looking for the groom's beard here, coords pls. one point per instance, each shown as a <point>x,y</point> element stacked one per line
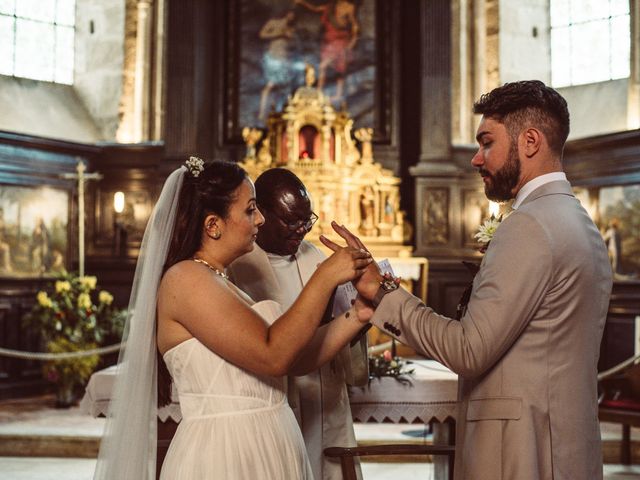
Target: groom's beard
<point>502,183</point>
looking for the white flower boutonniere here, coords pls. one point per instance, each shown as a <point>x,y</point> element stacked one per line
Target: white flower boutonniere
<point>487,230</point>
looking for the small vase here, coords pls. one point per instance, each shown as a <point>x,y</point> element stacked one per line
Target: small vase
<point>65,396</point>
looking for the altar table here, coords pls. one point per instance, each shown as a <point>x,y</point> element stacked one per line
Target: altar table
<point>430,398</point>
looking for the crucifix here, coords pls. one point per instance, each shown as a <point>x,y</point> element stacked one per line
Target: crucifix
<point>81,177</point>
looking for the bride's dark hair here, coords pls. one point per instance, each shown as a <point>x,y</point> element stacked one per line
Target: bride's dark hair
<point>211,192</point>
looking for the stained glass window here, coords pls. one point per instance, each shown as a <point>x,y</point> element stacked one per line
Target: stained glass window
<point>590,41</point>
<point>37,38</point>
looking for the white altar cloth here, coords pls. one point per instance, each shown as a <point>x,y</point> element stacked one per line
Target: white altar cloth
<point>431,396</point>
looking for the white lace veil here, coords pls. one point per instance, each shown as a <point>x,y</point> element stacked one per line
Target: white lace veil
<point>128,448</point>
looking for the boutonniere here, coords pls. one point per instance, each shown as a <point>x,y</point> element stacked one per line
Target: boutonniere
<point>485,234</point>
<point>487,230</point>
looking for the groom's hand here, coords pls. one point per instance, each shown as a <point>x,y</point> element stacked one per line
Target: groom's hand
<point>369,282</point>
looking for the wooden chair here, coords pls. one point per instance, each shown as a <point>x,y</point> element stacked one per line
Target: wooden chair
<point>346,454</point>
<point>619,400</point>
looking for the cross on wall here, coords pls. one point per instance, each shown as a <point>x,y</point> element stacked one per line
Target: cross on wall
<point>81,176</point>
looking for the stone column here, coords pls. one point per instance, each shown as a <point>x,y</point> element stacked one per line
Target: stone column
<point>159,70</point>
<point>462,71</point>
<point>143,75</point>
<point>633,96</point>
<point>435,168</point>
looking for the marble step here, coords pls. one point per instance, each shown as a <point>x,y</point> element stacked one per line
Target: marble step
<point>35,428</point>
<point>49,446</point>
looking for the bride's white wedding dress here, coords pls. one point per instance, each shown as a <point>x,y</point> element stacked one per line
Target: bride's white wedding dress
<point>235,424</point>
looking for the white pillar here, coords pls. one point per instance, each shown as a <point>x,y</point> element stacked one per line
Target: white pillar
<point>142,73</point>
<point>633,96</point>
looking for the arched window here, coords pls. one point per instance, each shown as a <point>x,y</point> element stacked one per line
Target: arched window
<point>590,41</point>
<point>37,39</point>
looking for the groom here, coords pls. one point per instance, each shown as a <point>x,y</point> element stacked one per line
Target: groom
<point>526,350</point>
<point>277,269</point>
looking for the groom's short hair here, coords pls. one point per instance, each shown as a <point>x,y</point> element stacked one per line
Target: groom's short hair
<point>528,103</point>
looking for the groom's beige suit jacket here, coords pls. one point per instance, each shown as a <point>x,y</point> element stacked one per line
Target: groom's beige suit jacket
<point>319,400</point>
<point>526,350</point>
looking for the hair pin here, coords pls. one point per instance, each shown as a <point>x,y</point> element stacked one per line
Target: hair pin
<point>195,166</point>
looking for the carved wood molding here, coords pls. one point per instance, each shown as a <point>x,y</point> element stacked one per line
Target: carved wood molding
<point>612,159</point>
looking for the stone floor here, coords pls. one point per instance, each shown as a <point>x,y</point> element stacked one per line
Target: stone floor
<point>33,425</point>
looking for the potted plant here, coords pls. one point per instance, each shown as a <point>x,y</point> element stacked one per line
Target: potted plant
<point>74,317</point>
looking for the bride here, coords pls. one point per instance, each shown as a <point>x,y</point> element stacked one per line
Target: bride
<point>226,354</point>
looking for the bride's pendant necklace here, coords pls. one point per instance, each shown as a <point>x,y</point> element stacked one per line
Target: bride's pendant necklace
<point>214,269</point>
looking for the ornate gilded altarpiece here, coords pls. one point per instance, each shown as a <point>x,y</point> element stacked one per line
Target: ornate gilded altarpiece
<point>347,185</point>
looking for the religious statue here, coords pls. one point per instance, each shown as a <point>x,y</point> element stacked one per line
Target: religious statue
<point>365,135</point>
<point>264,154</point>
<point>251,137</point>
<point>309,75</point>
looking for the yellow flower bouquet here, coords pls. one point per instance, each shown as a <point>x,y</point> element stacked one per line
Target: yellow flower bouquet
<point>69,320</point>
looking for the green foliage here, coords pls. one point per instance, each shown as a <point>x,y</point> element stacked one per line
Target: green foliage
<point>75,317</point>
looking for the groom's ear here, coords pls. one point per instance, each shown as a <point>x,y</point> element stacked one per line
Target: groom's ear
<point>531,141</point>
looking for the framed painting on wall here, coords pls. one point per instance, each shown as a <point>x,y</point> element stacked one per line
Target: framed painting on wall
<point>33,230</point>
<point>350,43</point>
<point>615,210</point>
<point>619,212</point>
<point>279,37</point>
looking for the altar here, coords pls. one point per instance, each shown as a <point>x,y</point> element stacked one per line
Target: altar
<point>430,399</point>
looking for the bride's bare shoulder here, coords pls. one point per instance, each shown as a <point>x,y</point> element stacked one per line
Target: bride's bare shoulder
<point>188,275</point>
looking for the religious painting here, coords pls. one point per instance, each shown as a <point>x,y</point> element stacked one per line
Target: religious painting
<point>277,38</point>
<point>33,230</point>
<point>619,219</point>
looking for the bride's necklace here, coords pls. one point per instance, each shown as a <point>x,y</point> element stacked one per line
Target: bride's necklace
<point>214,269</point>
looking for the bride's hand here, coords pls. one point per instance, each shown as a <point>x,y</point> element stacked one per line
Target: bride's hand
<point>364,309</point>
<point>368,283</point>
<point>346,264</point>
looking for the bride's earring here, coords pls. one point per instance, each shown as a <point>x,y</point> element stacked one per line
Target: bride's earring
<point>213,231</point>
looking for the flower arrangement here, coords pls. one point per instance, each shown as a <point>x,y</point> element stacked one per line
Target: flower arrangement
<point>70,321</point>
<point>388,365</point>
<point>487,230</point>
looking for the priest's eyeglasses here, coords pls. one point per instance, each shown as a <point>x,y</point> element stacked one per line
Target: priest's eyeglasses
<point>306,224</point>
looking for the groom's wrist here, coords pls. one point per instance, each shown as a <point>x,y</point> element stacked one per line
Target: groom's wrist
<point>370,288</point>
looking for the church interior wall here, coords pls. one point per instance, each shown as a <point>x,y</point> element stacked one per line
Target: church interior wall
<point>99,61</point>
<point>597,108</point>
<point>45,109</point>
<point>525,50</point>
<point>88,110</point>
<point>425,136</point>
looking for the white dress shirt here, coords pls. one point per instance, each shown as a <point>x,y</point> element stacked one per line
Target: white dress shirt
<point>531,185</point>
